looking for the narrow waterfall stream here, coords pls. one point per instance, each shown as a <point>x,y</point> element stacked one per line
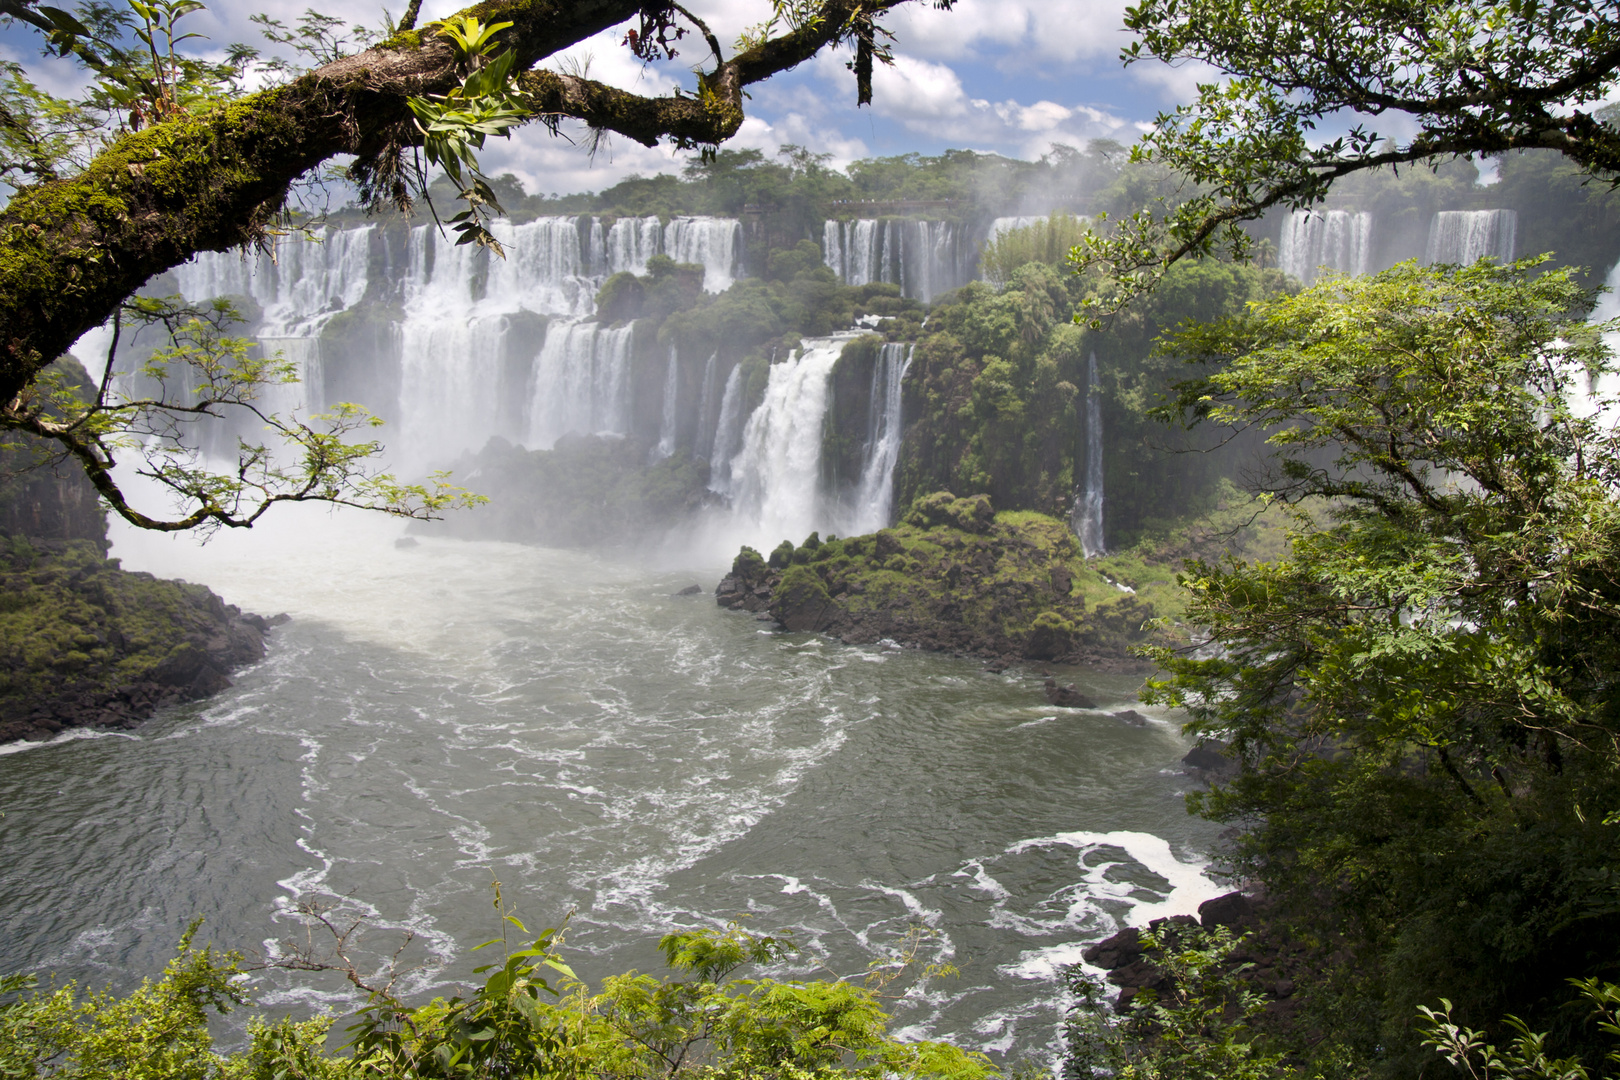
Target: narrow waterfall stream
<point>1087,518</point>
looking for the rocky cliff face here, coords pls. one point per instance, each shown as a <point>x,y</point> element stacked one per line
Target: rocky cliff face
<point>952,576</point>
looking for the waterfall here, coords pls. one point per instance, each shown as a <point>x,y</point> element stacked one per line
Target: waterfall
<point>776,476</point>
<point>631,242</point>
<point>921,257</point>
<point>1338,239</point>
<point>860,252</point>
<point>1008,224</point>
<point>929,260</point>
<point>1466,236</point>
<point>672,390</point>
<point>874,497</point>
<point>712,243</point>
<point>299,290</point>
<point>726,433</point>
<point>704,439</point>
<point>1087,518</point>
<point>832,248</point>
<point>580,383</point>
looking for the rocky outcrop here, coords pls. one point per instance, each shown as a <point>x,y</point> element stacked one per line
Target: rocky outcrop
<point>953,576</point>
<point>84,643</point>
<point>1266,960</point>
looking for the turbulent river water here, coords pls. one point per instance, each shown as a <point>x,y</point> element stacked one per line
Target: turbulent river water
<point>438,716</point>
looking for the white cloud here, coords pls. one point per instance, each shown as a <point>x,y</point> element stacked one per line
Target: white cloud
<point>930,99</point>
<point>1023,30</point>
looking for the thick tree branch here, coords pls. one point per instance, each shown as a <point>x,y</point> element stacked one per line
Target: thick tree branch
<point>71,250</point>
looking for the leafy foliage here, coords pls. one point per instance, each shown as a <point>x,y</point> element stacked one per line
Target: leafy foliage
<point>1470,76</point>
<point>705,1023</point>
<point>1419,690</point>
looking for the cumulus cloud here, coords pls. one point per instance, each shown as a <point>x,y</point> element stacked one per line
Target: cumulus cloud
<point>930,99</point>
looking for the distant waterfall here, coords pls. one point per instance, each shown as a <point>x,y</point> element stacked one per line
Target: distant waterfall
<point>299,291</point>
<point>580,383</point>
<point>727,434</point>
<point>775,478</point>
<point>874,496</point>
<point>1087,518</point>
<point>1466,236</point>
<point>713,243</point>
<point>922,257</point>
<point>631,242</point>
<point>707,393</point>
<point>303,286</point>
<point>672,391</point>
<point>1337,239</point>
<point>1008,224</point>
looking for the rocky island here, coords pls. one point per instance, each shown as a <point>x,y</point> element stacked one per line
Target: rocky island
<point>955,576</point>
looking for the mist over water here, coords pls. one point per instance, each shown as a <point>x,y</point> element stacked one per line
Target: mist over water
<point>441,715</point>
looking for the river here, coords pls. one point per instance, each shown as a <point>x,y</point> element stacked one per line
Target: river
<point>439,716</point>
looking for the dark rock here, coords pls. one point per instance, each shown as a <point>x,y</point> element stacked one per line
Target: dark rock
<point>407,542</point>
<point>1232,909</point>
<point>690,590</point>
<point>1203,756</point>
<point>1066,697</point>
<point>1116,951</point>
<point>1131,716</point>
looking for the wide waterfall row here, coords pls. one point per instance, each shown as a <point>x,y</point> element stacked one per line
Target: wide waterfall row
<point>453,346</point>
<point>924,258</point>
<point>472,358</point>
<point>299,288</point>
<point>1333,239</point>
<point>1466,236</point>
<point>1347,241</point>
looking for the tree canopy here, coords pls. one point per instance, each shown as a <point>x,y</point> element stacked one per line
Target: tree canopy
<point>1413,83</point>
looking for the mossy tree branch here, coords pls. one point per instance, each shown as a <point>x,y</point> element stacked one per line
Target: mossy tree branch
<point>72,249</point>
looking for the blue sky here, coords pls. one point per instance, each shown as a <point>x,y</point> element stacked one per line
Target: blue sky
<point>1004,76</point>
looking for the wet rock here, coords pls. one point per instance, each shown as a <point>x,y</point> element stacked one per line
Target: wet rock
<point>1232,910</point>
<point>1117,951</point>
<point>1131,716</point>
<point>407,542</point>
<point>690,590</point>
<point>1066,697</point>
<point>1207,756</point>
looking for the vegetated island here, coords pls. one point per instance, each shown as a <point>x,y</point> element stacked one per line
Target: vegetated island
<point>956,576</point>
<point>83,642</point>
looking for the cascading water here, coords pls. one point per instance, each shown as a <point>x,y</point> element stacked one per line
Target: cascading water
<point>1087,518</point>
<point>1337,239</point>
<point>727,434</point>
<point>672,390</point>
<point>299,290</point>
<point>706,418</point>
<point>455,349</point>
<point>922,257</point>
<point>775,478</point>
<point>874,496</point>
<point>713,243</point>
<point>1466,236</point>
<point>580,383</point>
<point>631,242</point>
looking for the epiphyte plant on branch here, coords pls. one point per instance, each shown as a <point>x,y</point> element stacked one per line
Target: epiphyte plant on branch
<point>135,198</point>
